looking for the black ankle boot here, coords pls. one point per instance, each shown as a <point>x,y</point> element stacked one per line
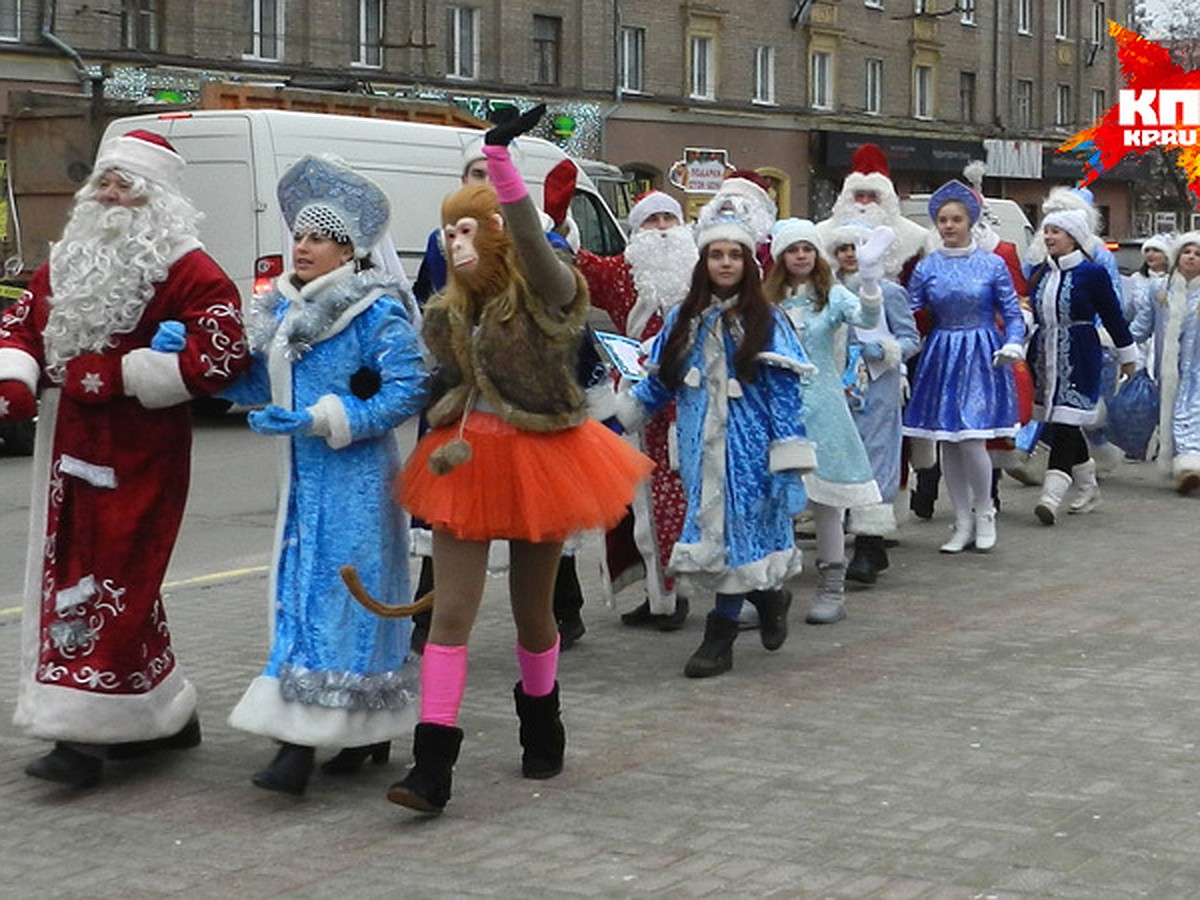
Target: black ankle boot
<point>715,653</point>
<point>426,787</point>
<point>350,760</point>
<point>66,765</point>
<point>543,739</point>
<point>184,739</point>
<point>289,770</point>
<point>772,609</point>
<point>864,565</point>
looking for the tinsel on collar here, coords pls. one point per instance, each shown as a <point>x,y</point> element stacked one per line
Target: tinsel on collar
<point>319,304</point>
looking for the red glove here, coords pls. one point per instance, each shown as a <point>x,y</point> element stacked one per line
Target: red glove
<point>94,378</point>
<point>16,401</point>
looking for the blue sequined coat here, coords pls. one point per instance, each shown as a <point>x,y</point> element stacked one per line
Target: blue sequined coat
<point>336,675</point>
<point>957,393</point>
<point>1065,355</point>
<point>742,447</point>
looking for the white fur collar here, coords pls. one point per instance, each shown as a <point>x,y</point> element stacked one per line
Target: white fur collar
<point>1067,261</point>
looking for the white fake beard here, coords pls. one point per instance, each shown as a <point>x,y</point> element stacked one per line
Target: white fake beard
<point>662,263</point>
<point>102,275</point>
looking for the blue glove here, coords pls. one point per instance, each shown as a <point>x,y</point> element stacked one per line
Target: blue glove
<point>171,337</point>
<point>872,350</point>
<point>277,420</point>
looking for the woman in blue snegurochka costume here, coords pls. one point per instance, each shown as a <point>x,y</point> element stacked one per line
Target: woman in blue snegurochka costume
<point>963,391</point>
<point>884,350</point>
<point>820,309</point>
<point>733,366</point>
<point>1179,406</point>
<point>339,362</point>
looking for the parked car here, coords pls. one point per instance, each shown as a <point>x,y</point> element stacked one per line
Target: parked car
<point>17,437</point>
<point>1128,252</point>
<point>1005,216</point>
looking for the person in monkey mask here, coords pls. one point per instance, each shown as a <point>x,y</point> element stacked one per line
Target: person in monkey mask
<point>511,455</point>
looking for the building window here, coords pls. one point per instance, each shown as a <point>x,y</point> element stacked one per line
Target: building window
<point>966,96</point>
<point>265,40</point>
<point>1062,104</point>
<point>821,80</point>
<point>923,92</point>
<point>10,20</point>
<point>920,7</point>
<point>1024,16</point>
<point>462,43</point>
<point>139,24</point>
<point>370,33</point>
<point>1062,18</point>
<point>1099,104</point>
<point>1024,104</point>
<point>873,86</point>
<point>966,9</point>
<point>703,64</point>
<point>764,74</point>
<point>547,49</point>
<point>873,4</point>
<point>633,59</point>
<point>1099,24</point>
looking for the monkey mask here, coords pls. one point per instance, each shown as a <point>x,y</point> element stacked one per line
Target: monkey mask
<point>479,253</point>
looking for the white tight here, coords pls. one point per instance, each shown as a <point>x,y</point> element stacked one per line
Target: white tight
<point>967,469</point>
<point>831,539</point>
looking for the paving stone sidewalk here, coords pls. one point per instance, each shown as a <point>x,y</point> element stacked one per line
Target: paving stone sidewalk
<point>1023,723</point>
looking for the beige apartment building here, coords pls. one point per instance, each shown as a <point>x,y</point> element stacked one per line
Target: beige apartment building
<point>786,87</point>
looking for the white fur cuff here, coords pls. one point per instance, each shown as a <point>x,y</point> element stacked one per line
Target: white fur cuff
<point>630,413</point>
<point>792,453</point>
<point>1127,354</point>
<point>1185,462</point>
<point>17,365</point>
<point>154,378</point>
<point>331,422</point>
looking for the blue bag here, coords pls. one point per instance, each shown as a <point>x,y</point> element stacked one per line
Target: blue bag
<point>1133,414</point>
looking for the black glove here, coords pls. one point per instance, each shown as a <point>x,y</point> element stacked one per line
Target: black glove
<point>502,134</point>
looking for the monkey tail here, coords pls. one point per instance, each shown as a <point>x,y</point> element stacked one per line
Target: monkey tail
<point>362,595</point>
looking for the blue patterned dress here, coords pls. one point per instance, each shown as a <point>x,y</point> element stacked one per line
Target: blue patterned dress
<point>737,535</point>
<point>337,675</point>
<point>957,393</point>
<point>843,477</point>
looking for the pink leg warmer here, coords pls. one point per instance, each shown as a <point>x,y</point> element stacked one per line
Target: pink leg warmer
<point>538,670</point>
<point>503,174</point>
<point>443,680</point>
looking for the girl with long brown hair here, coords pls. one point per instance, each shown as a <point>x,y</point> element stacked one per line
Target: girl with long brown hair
<point>733,367</point>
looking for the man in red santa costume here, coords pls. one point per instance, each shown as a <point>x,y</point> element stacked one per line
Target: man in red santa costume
<point>869,197</point>
<point>128,321</point>
<point>637,289</point>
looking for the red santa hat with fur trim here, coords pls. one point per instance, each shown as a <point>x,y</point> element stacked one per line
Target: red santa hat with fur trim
<point>143,153</point>
<point>869,171</point>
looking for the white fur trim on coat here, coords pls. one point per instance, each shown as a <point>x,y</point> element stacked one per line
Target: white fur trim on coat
<point>331,422</point>
<point>792,453</point>
<point>154,378</point>
<point>630,413</point>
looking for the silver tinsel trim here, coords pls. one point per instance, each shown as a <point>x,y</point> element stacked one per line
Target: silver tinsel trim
<point>348,690</point>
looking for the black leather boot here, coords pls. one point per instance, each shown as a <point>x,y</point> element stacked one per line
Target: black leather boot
<point>543,739</point>
<point>288,772</point>
<point>568,603</point>
<point>865,566</point>
<point>66,765</point>
<point>350,760</point>
<point>715,653</point>
<point>426,787</point>
<point>772,609</point>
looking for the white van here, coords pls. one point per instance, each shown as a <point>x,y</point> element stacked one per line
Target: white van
<point>1006,217</point>
<point>236,157</point>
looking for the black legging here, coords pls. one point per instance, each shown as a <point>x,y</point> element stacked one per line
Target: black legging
<point>1068,446</point>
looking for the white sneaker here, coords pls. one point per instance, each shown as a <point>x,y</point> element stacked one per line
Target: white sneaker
<point>985,529</point>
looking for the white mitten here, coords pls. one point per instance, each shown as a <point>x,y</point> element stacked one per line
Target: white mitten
<point>870,254</point>
<point>1008,354</point>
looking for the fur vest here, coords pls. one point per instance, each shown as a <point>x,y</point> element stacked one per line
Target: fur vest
<point>523,368</point>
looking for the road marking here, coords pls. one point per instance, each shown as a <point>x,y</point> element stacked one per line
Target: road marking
<point>212,578</point>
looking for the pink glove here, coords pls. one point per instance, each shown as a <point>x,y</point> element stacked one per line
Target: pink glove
<point>506,180</point>
<point>16,401</point>
<point>94,378</point>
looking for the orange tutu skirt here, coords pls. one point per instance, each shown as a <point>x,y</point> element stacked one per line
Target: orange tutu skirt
<point>523,485</point>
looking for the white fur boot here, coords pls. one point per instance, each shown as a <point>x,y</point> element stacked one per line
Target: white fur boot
<point>1088,496</point>
<point>964,532</point>
<point>1053,490</point>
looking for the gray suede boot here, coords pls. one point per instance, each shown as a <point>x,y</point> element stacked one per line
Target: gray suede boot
<point>829,605</point>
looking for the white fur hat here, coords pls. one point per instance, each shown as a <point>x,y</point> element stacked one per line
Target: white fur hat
<point>1159,242</point>
<point>649,204</point>
<point>143,153</point>
<point>726,219</point>
<point>1074,222</point>
<point>1062,198</point>
<point>1190,237</point>
<point>790,231</point>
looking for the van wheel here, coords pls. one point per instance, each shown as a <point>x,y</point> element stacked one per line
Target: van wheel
<point>18,437</point>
